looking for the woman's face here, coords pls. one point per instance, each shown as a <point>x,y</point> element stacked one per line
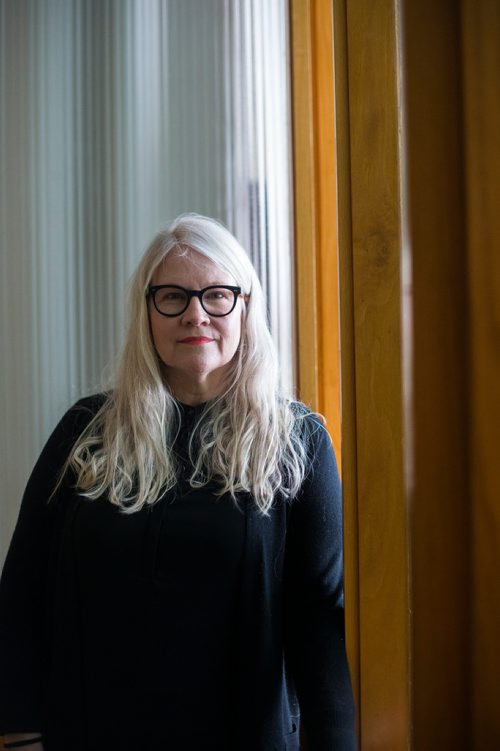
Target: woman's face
<point>199,367</point>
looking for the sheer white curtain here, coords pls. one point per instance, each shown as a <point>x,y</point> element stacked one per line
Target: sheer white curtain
<point>258,155</point>
<point>115,116</point>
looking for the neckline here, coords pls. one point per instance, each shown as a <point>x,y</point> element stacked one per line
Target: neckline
<point>191,407</point>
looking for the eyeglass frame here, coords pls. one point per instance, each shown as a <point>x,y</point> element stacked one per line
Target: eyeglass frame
<point>153,289</point>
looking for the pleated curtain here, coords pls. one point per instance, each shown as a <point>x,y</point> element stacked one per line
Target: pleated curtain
<point>116,116</point>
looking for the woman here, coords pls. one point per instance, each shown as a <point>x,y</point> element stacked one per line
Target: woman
<point>175,576</point>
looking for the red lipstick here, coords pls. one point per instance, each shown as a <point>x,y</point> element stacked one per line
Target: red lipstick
<point>196,340</point>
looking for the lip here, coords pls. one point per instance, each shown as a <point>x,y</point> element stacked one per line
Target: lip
<point>196,340</point>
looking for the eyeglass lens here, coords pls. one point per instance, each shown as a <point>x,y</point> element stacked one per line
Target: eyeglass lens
<point>172,301</point>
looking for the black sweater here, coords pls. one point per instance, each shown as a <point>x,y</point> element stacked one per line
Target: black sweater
<point>188,625</point>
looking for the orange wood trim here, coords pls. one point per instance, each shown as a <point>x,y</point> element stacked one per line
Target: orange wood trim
<point>316,210</point>
<point>370,233</point>
<point>316,253</point>
<point>327,271</point>
<point>306,235</point>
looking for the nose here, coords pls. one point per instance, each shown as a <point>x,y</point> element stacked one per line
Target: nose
<point>195,315</point>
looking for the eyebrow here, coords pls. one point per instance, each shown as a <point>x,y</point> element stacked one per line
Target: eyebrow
<point>209,284</point>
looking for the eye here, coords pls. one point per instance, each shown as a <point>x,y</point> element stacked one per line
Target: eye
<point>166,295</point>
<point>173,295</point>
<point>217,294</point>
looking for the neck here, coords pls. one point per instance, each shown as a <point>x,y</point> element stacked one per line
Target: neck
<point>193,392</point>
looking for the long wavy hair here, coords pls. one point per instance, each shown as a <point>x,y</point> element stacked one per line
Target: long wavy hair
<point>249,439</point>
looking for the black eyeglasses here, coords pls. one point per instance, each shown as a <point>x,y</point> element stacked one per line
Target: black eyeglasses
<point>171,300</point>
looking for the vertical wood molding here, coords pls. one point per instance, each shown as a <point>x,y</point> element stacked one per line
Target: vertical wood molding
<point>481,67</point>
<point>371,231</point>
<point>305,198</point>
<point>316,253</point>
<point>327,276</point>
<point>315,196</point>
<point>349,436</point>
<point>440,497</point>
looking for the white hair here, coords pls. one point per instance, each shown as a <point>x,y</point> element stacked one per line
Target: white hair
<point>250,438</point>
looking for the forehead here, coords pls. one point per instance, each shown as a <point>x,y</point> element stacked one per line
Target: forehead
<point>188,267</point>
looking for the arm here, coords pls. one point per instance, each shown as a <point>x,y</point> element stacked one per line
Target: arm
<point>314,612</point>
<point>23,586</point>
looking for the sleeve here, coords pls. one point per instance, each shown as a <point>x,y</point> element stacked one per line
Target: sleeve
<point>24,581</point>
<point>314,609</point>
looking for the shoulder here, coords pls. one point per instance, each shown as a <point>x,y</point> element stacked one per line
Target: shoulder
<point>81,414</point>
<point>316,440</point>
<point>309,436</point>
<point>307,424</point>
<point>59,444</point>
<point>91,405</point>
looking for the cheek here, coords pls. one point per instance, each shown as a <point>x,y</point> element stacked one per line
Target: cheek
<point>153,324</point>
<point>159,331</point>
<point>234,334</point>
